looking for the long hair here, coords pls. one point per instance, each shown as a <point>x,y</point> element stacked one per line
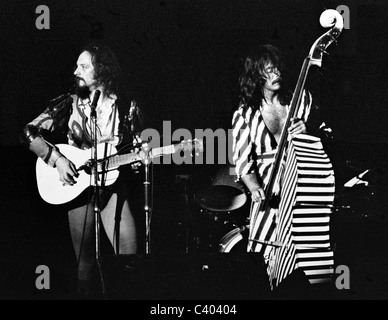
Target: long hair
<point>108,73</point>
<point>252,80</point>
<point>106,66</point>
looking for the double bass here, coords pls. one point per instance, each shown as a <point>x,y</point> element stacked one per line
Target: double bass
<point>296,234</point>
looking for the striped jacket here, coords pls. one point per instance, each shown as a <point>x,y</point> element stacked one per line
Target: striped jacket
<point>253,144</point>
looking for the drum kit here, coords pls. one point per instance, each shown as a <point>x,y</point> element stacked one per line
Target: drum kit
<point>223,211</point>
<point>221,208</point>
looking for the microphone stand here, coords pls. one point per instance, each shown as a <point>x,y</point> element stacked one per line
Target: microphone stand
<point>96,198</point>
<point>147,199</point>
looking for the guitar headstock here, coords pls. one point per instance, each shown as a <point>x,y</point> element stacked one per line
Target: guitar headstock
<point>329,18</point>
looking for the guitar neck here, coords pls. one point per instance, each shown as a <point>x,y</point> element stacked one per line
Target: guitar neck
<point>157,152</point>
<point>113,162</point>
<point>116,161</point>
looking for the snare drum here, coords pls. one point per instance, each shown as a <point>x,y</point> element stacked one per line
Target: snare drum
<point>236,239</point>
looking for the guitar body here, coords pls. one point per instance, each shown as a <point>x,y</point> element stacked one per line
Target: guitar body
<point>52,189</point>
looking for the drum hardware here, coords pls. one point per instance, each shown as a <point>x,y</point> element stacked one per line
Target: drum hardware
<point>220,206</point>
<point>213,228</point>
<point>358,195</point>
<point>184,180</point>
<point>209,216</point>
<point>233,237</point>
<point>357,180</point>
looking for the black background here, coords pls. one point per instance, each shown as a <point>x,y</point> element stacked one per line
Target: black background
<point>181,61</point>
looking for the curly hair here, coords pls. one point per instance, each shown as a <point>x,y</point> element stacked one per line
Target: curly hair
<point>106,66</point>
<point>252,80</point>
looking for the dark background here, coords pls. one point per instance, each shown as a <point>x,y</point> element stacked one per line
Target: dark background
<point>181,61</point>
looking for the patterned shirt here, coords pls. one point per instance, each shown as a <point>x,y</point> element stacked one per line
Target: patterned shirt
<point>79,124</point>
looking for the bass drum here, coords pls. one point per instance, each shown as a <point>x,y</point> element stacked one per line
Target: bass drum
<point>235,240</point>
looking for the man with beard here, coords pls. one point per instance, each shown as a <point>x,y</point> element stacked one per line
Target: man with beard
<point>118,123</point>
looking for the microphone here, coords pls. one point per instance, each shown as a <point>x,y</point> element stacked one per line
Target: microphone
<point>94,103</point>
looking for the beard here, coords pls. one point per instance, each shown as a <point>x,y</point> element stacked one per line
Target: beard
<point>81,90</point>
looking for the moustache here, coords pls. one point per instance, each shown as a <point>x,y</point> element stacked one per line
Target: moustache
<point>278,80</point>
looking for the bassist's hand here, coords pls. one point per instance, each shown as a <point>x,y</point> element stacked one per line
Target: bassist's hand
<point>67,171</point>
<point>258,195</point>
<point>297,127</point>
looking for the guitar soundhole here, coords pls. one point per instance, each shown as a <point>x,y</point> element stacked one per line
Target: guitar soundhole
<point>88,169</point>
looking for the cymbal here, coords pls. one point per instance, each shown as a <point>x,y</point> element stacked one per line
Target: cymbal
<point>221,198</point>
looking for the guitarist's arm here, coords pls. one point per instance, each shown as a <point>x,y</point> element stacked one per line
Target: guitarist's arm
<point>49,120</point>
